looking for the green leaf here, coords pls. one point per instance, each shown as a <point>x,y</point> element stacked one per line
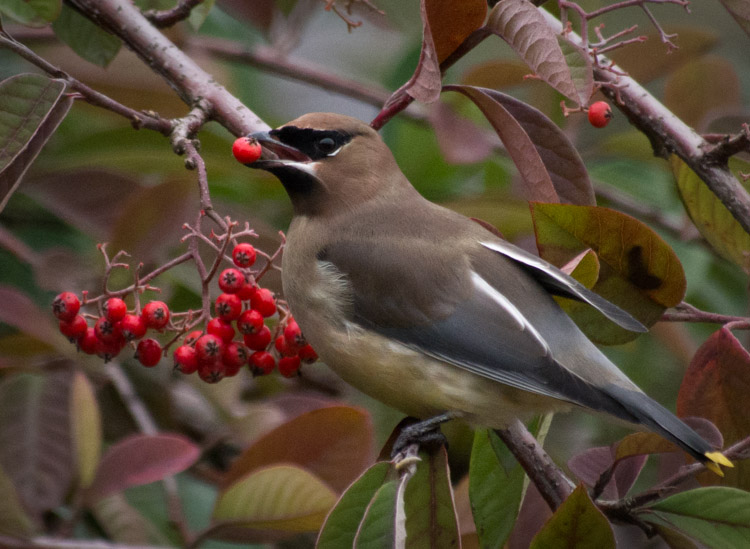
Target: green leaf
<point>343,522</point>
<point>122,523</point>
<point>32,13</point>
<point>428,504</point>
<point>714,221</point>
<point>496,486</point>
<point>86,428</point>
<point>379,525</point>
<point>280,497</point>
<point>716,517</point>
<point>31,108</point>
<point>639,271</point>
<point>86,38</point>
<point>576,523</point>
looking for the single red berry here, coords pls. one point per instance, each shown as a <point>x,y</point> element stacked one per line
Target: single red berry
<point>75,329</point>
<point>250,322</point>
<point>192,337</point>
<point>307,354</point>
<point>66,306</point>
<point>212,372</point>
<point>89,343</point>
<point>228,307</point>
<point>185,359</point>
<point>108,331</point>
<point>234,357</point>
<point>244,255</point>
<point>111,349</point>
<point>148,352</point>
<point>208,349</point>
<point>283,347</point>
<point>133,327</point>
<point>261,363</point>
<point>115,309</point>
<point>600,114</point>
<point>259,341</point>
<point>247,291</point>
<point>293,334</point>
<point>246,150</point>
<point>156,314</point>
<point>264,302</point>
<point>289,366</point>
<point>231,281</point>
<point>221,329</point>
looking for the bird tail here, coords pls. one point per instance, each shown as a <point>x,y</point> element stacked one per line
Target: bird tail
<point>657,418</point>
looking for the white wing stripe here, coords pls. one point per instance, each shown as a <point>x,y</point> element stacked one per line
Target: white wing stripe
<point>528,259</point>
<point>521,321</point>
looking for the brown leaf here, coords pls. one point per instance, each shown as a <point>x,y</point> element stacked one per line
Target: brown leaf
<point>334,443</point>
<point>23,314</point>
<point>460,140</point>
<point>452,22</point>
<point>521,149</point>
<point>424,85</point>
<point>520,24</point>
<point>496,74</point>
<point>704,85</point>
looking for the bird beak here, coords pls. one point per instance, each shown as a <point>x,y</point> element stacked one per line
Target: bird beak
<point>275,153</point>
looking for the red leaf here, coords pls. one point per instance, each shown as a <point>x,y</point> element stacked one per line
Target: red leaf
<point>140,459</point>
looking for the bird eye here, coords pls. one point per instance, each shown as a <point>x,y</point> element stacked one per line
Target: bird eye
<point>327,145</point>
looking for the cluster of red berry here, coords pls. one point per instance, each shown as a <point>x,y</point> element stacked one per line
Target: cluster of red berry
<point>214,352</point>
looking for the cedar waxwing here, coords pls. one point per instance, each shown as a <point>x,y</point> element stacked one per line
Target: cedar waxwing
<point>428,311</point>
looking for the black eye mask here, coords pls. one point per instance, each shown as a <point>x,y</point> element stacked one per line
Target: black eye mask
<point>316,144</point>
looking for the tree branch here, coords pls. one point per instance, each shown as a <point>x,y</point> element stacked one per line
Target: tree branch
<point>192,83</point>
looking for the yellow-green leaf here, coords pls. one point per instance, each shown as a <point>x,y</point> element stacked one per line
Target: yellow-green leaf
<point>86,428</point>
<point>638,270</point>
<point>714,221</point>
<point>281,497</point>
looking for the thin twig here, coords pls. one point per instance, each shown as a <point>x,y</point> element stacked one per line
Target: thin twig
<point>167,18</point>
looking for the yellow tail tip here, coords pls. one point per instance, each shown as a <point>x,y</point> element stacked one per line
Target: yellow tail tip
<point>716,460</point>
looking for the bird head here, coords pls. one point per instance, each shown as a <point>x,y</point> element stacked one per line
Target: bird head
<point>329,163</point>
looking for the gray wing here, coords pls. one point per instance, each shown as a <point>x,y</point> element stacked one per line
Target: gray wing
<point>562,284</point>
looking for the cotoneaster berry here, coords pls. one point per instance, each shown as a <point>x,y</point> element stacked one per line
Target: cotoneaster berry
<point>261,363</point>
<point>156,314</point>
<point>133,327</point>
<point>247,291</point>
<point>66,306</point>
<point>192,337</point>
<point>246,150</point>
<point>293,334</point>
<point>244,255</point>
<point>208,349</point>
<point>107,331</point>
<point>148,352</point>
<point>221,329</point>
<point>250,322</point>
<point>307,354</point>
<point>212,372</point>
<point>231,281</point>
<point>75,329</point>
<point>234,357</point>
<point>228,307</point>
<point>185,359</point>
<point>89,343</point>
<point>600,114</point>
<point>263,302</point>
<point>115,309</point>
<point>289,366</point>
<point>259,341</point>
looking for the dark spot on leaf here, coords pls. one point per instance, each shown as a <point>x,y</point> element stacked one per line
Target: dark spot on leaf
<point>638,271</point>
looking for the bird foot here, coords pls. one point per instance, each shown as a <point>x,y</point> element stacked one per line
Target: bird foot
<point>425,434</point>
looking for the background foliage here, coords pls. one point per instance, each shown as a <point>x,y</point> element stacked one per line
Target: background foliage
<point>263,460</point>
